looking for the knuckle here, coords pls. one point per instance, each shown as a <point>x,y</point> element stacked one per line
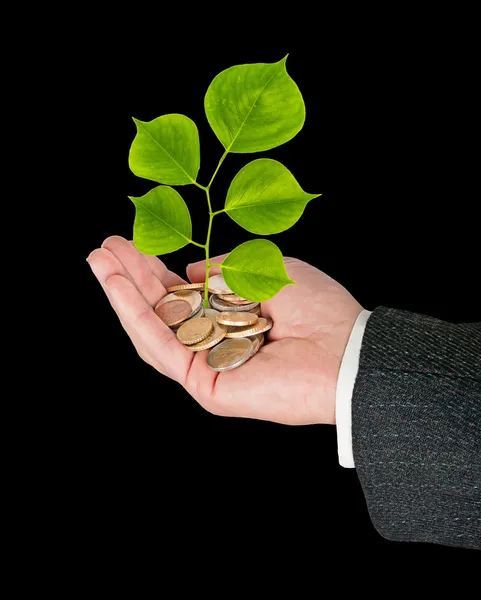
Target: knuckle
<point>114,281</point>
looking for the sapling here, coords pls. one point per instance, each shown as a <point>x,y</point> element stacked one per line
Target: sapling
<point>251,108</point>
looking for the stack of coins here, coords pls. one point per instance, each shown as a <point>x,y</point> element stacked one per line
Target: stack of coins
<point>231,328</point>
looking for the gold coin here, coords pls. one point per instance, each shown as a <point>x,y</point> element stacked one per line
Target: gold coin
<point>215,336</point>
<point>217,285</point>
<point>229,354</point>
<point>263,324</point>
<point>234,299</point>
<point>173,312</point>
<point>237,319</point>
<point>194,330</point>
<point>223,306</point>
<point>185,286</point>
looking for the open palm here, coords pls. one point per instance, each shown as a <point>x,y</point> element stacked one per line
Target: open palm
<point>291,379</point>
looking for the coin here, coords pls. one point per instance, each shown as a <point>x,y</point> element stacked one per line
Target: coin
<point>222,305</point>
<point>257,341</point>
<point>199,313</point>
<point>217,285</point>
<point>186,286</point>
<point>234,299</point>
<point>216,335</point>
<point>237,318</point>
<point>173,312</point>
<point>261,341</point>
<point>192,296</point>
<point>211,314</point>
<point>194,330</point>
<point>263,324</point>
<point>229,354</point>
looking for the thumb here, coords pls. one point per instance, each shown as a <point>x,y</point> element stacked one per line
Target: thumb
<point>196,271</point>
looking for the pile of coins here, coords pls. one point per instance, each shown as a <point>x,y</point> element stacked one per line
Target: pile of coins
<point>232,327</point>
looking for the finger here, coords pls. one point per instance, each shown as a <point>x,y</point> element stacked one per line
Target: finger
<point>141,323</point>
<point>167,277</point>
<point>158,268</point>
<point>104,264</point>
<point>139,270</point>
<point>196,271</point>
<point>198,378</point>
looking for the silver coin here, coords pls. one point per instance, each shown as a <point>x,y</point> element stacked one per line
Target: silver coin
<point>199,312</point>
<point>217,284</point>
<point>257,341</point>
<point>211,314</point>
<point>226,356</point>
<point>223,306</point>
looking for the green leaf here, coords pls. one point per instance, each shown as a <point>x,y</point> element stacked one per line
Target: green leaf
<point>254,107</point>
<point>264,197</point>
<point>162,221</point>
<point>166,150</point>
<point>255,270</point>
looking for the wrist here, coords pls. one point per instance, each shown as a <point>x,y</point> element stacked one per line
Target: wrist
<point>336,343</point>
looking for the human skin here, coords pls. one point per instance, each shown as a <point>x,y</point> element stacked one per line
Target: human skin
<point>291,379</point>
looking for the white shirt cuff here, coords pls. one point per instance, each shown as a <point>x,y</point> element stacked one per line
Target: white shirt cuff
<point>344,389</point>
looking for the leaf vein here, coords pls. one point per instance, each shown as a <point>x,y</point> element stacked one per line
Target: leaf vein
<point>162,148</point>
<point>251,108</point>
<point>254,273</point>
<point>162,221</point>
<point>266,203</point>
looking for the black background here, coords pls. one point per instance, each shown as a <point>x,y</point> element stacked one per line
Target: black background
<point>388,141</point>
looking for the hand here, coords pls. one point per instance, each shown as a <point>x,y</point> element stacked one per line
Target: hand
<point>291,379</point>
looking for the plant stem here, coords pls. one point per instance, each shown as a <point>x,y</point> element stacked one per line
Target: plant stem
<point>211,216</point>
<point>207,266</point>
<point>197,244</point>
<point>218,167</point>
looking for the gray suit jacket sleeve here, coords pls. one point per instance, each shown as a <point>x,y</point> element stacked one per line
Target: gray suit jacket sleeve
<point>416,428</point>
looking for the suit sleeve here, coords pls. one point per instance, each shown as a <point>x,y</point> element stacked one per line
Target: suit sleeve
<point>416,428</point>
